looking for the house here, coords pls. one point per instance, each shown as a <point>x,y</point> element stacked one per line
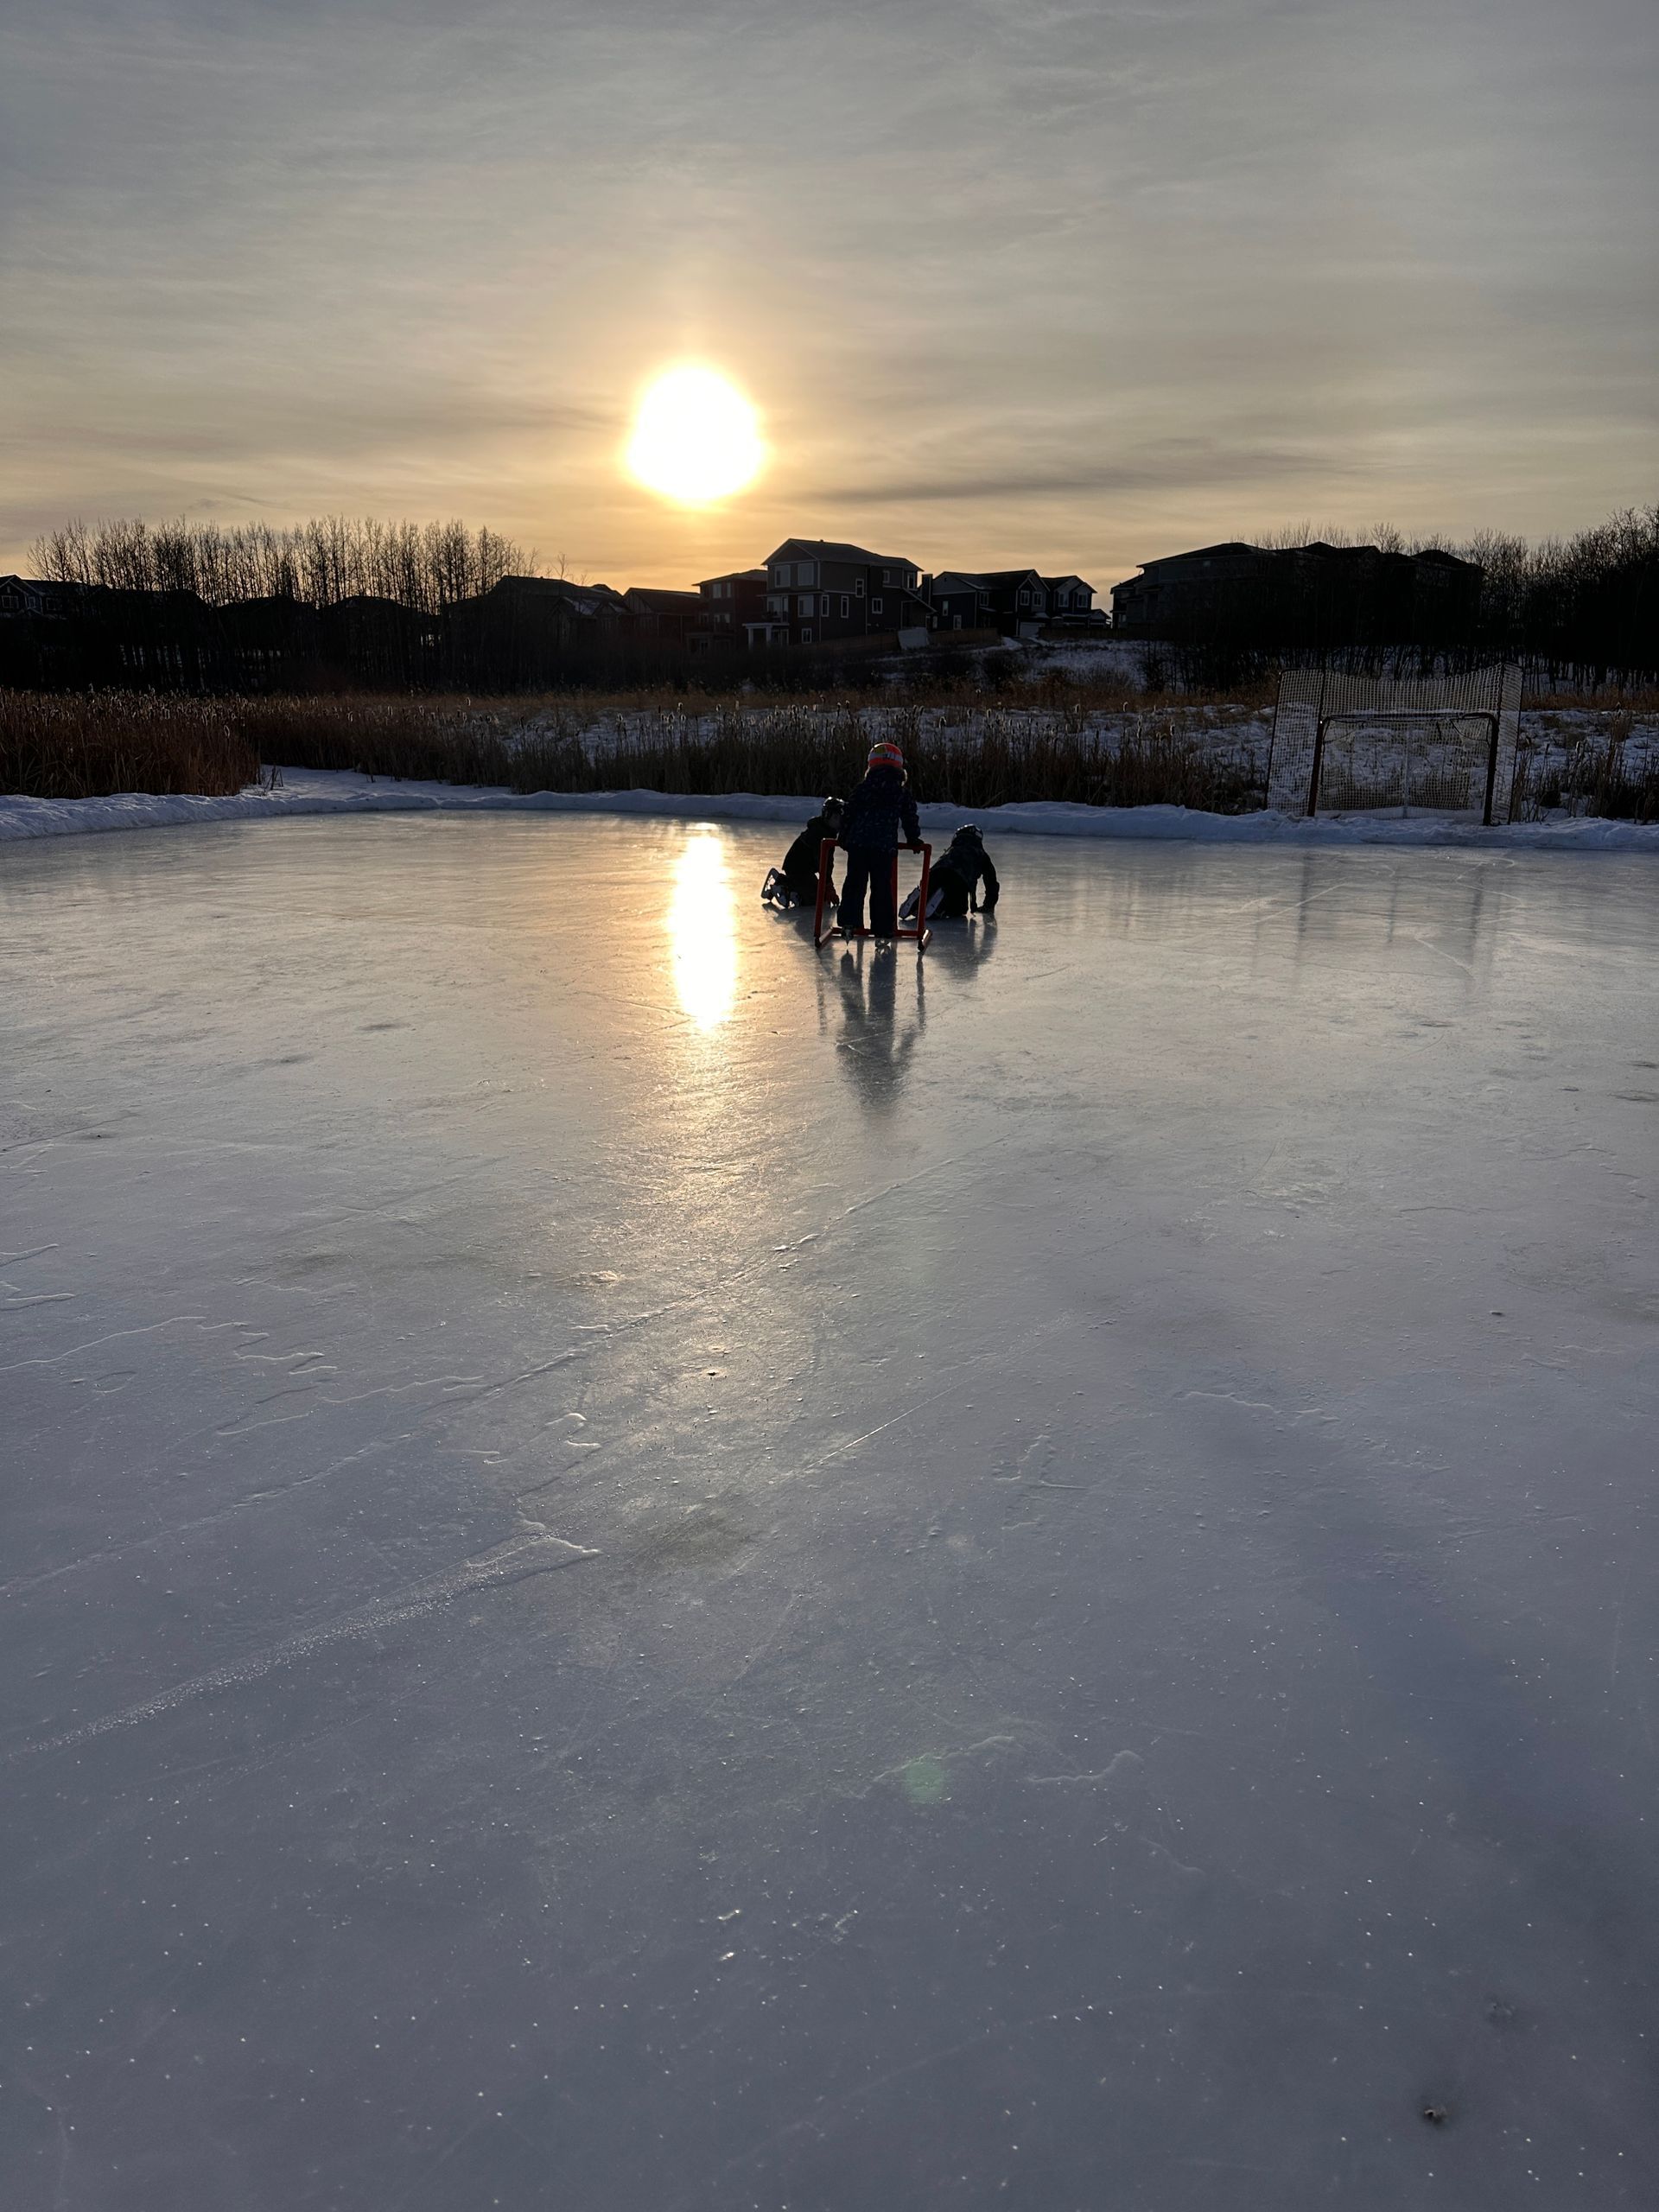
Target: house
<point>959,601</point>
<point>379,640</point>
<point>530,630</point>
<point>273,640</point>
<point>1314,594</point>
<point>1070,599</point>
<point>1185,589</point>
<point>662,612</point>
<point>729,604</point>
<point>35,598</point>
<point>555,602</point>
<point>1014,602</point>
<point>821,592</point>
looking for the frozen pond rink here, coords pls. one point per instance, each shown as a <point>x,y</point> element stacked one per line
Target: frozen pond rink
<point>645,1571</point>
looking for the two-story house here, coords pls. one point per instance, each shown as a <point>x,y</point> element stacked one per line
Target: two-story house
<point>729,604</point>
<point>34,597</point>
<point>1306,595</point>
<point>819,592</point>
<point>661,613</point>
<point>1069,598</point>
<point>958,600</point>
<point>1016,602</point>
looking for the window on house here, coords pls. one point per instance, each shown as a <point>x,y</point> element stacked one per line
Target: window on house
<point>876,605</point>
<point>858,587</point>
<point>955,622</point>
<point>845,607</point>
<point>806,635</point>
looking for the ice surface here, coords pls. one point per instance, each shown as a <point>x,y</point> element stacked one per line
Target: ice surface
<point>650,1572</point>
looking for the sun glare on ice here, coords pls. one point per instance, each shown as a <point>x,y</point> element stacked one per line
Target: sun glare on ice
<point>702,932</point>
<point>695,437</point>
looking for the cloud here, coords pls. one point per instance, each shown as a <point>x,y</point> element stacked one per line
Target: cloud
<point>1098,274</point>
<point>1151,472</point>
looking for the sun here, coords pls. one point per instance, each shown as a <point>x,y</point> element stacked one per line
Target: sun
<point>695,437</point>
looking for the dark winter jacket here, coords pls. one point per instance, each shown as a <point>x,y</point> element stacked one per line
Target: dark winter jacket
<point>956,876</point>
<point>801,860</point>
<point>875,810</point>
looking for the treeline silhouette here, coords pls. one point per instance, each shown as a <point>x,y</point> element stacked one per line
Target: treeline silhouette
<point>1589,602</point>
<point>338,604</point>
<point>1585,608</point>
<point>426,567</point>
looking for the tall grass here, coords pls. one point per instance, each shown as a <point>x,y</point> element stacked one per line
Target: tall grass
<point>989,758</point>
<point>973,756</point>
<point>81,745</point>
<point>962,750</point>
<point>1595,771</point>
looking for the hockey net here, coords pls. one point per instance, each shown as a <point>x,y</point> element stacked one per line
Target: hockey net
<point>1343,743</point>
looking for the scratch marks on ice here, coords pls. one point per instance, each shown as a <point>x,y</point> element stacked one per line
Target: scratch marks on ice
<point>533,1555</point>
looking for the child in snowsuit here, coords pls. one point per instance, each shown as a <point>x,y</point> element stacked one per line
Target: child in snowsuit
<point>795,883</point>
<point>869,831</point>
<point>954,880</point>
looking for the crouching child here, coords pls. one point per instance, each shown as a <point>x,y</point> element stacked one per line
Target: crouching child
<point>953,888</point>
<point>795,883</point>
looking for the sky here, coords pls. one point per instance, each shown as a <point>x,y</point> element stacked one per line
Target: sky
<point>1064,285</point>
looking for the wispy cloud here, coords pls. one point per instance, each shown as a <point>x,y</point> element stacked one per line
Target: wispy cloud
<point>1091,277</point>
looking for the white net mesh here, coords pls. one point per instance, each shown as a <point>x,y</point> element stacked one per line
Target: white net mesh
<point>1445,743</point>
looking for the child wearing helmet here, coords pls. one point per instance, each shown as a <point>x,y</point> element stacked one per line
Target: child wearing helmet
<point>956,878</point>
<point>795,883</point>
<point>876,812</point>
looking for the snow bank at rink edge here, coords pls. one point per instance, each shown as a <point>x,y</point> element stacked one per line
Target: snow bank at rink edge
<point>307,791</point>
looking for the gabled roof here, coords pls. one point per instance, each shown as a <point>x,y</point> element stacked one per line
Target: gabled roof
<point>661,599</point>
<point>359,603</point>
<point>735,576</point>
<point>829,549</point>
<point>553,587</point>
<point>992,577</point>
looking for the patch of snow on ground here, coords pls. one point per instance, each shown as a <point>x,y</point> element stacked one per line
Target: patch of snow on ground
<point>305,792</point>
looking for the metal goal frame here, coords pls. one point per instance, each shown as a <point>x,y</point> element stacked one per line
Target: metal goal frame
<point>1312,702</point>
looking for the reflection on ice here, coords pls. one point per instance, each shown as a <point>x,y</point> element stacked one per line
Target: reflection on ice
<point>1118,1522</point>
<point>875,1044</point>
<point>702,932</point>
